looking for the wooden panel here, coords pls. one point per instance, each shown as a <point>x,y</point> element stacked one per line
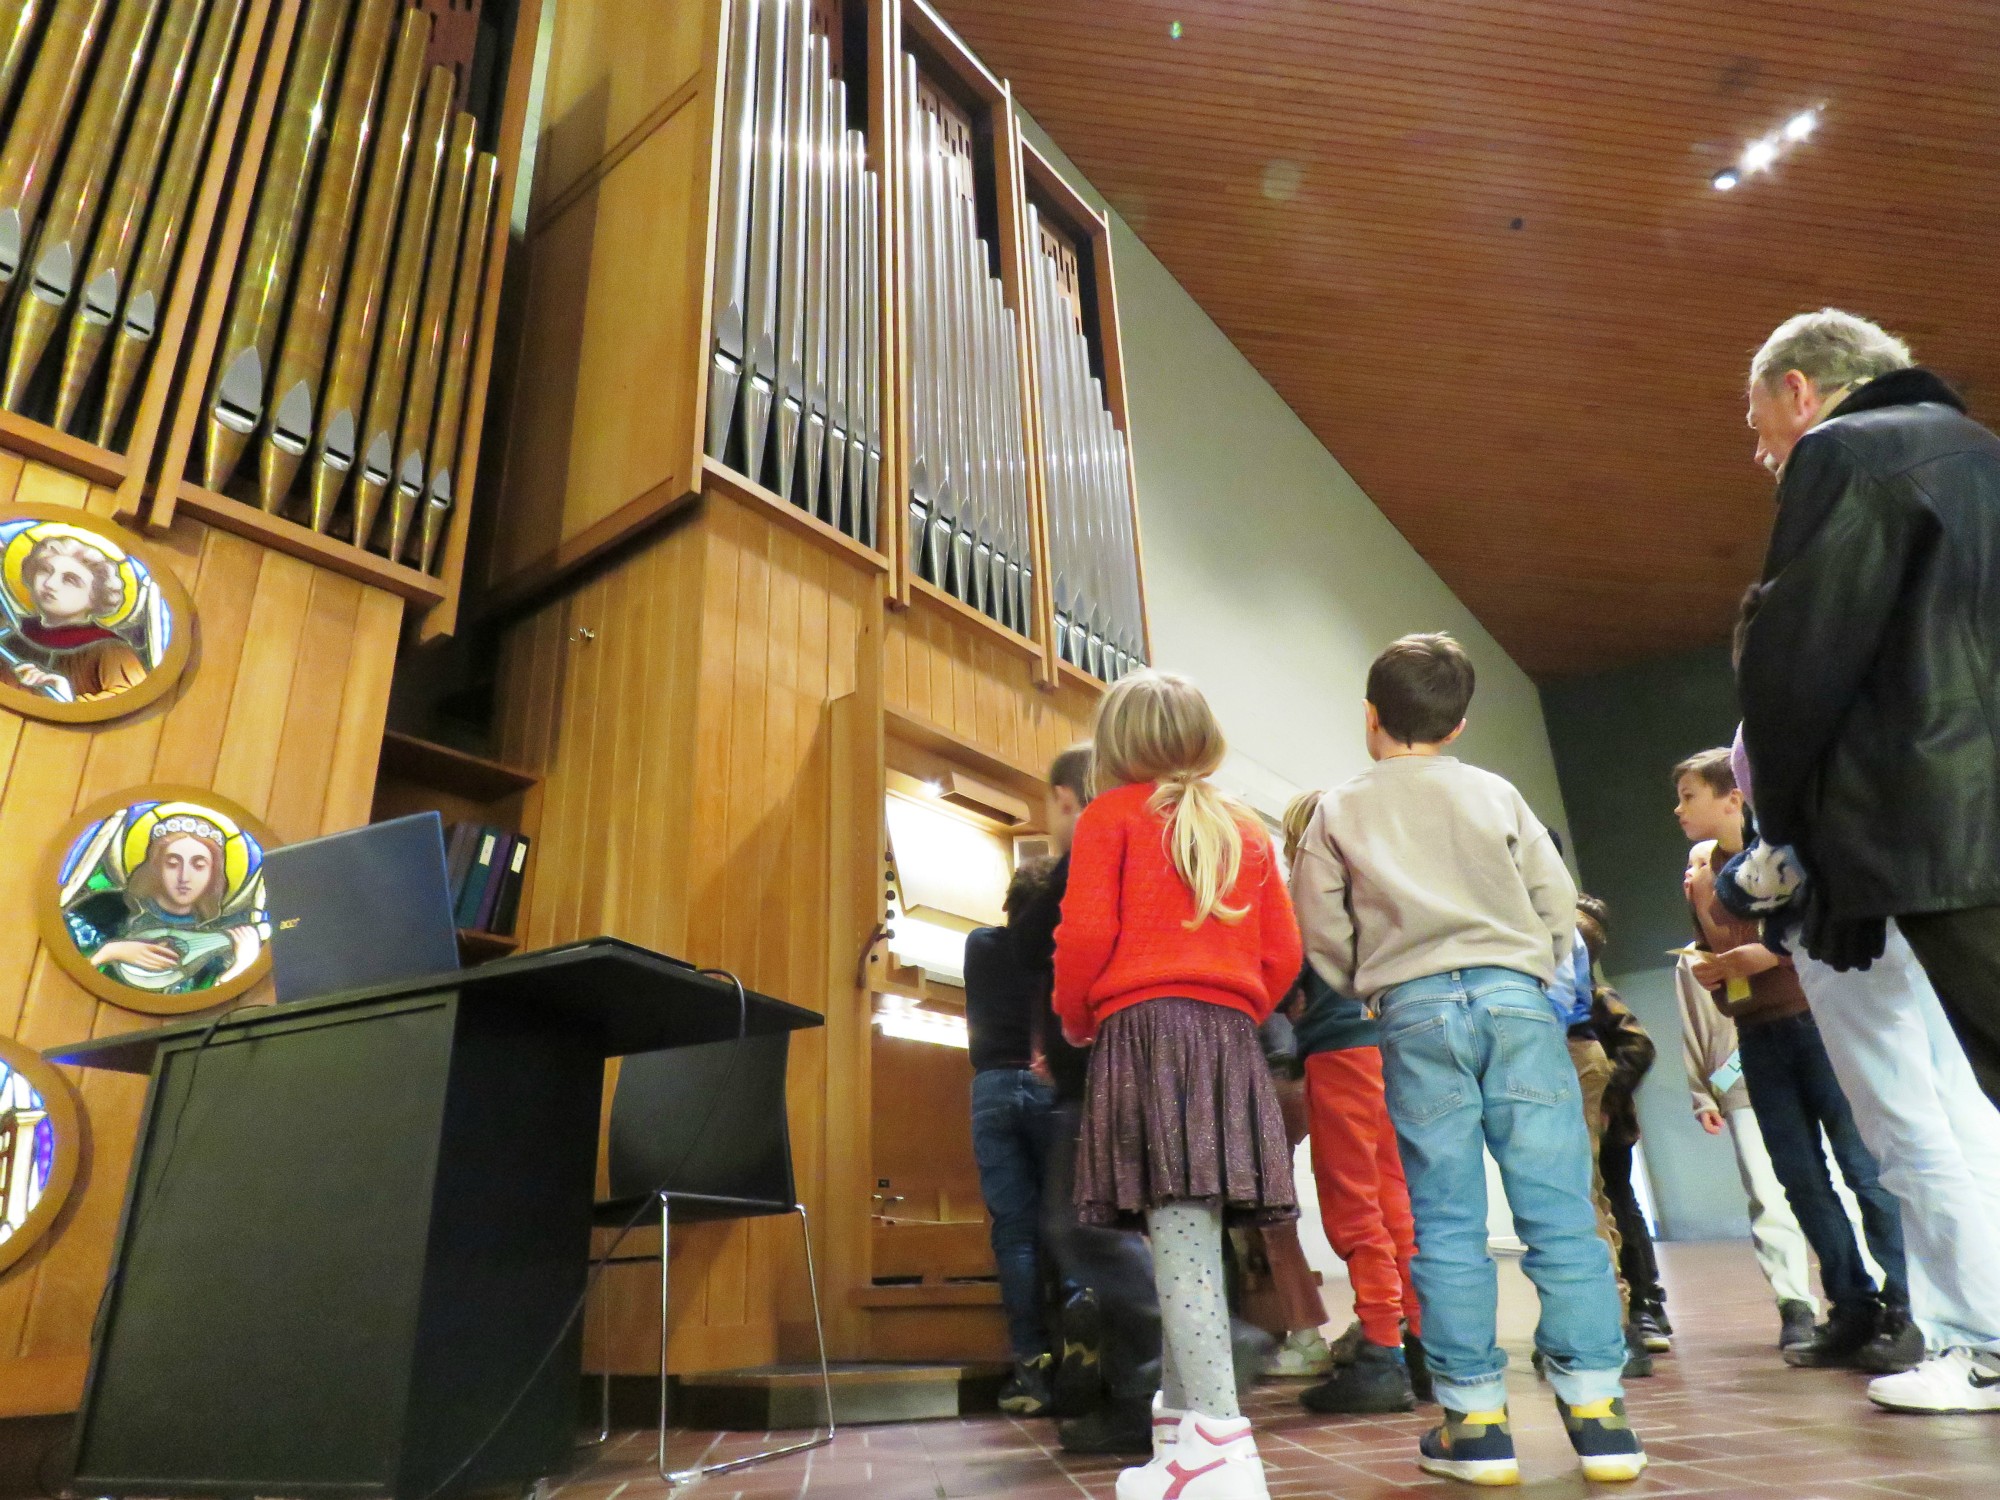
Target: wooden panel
<point>282,709</point>
<point>1448,232</point>
<point>948,673</point>
<point>923,1133</point>
<point>608,344</point>
<point>606,397</point>
<point>613,66</point>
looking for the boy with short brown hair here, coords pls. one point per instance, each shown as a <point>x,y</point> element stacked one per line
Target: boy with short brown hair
<point>1428,889</point>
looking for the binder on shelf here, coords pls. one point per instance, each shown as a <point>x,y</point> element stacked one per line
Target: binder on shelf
<point>496,873</point>
<point>508,908</point>
<point>476,878</point>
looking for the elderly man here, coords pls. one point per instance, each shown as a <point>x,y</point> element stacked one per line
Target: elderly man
<point>1871,714</point>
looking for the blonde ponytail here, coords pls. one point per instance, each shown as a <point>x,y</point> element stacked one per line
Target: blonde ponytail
<point>1156,726</point>
<point>1298,818</point>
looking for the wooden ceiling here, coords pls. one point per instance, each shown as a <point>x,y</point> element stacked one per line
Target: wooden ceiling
<point>1475,246</point>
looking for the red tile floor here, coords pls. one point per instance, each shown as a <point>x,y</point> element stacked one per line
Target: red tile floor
<point>1724,1417</point>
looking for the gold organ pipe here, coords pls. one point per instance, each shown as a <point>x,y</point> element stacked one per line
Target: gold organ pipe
<point>17,29</point>
<point>361,303</point>
<point>85,171</point>
<point>458,354</point>
<point>61,60</point>
<point>302,359</point>
<point>125,208</point>
<point>376,462</point>
<point>236,401</point>
<point>406,495</point>
<point>166,219</point>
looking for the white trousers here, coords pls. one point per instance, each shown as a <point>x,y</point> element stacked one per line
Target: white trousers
<point>1933,1131</point>
<point>1780,1243</point>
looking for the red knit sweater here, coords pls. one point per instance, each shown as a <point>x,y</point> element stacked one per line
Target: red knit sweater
<point>1122,938</point>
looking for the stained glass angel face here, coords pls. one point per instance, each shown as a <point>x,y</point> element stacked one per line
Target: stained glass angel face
<point>88,629</point>
<point>163,898</point>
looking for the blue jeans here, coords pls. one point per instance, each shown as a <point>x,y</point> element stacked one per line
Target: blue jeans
<point>1475,1058</point>
<point>1013,1117</point>
<point>1795,1095</point>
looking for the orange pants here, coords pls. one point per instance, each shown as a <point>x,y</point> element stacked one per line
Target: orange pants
<point>1364,1203</point>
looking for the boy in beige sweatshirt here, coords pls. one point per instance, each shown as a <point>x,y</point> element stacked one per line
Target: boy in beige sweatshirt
<point>1426,888</point>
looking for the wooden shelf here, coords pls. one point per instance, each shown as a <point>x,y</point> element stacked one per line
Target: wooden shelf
<point>473,776</point>
<point>478,947</point>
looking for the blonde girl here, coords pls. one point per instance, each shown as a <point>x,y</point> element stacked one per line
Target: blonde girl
<point>1177,941</point>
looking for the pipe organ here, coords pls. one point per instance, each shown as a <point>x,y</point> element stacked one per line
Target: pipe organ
<point>805,481</point>
<point>888,347</point>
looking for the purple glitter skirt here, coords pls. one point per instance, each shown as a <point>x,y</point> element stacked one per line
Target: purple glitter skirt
<point>1180,1107</point>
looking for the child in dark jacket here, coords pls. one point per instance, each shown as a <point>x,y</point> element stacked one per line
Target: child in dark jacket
<point>1364,1202</point>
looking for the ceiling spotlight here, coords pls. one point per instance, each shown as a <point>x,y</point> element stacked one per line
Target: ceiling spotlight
<point>1800,125</point>
<point>1759,155</point>
<point>1724,180</point>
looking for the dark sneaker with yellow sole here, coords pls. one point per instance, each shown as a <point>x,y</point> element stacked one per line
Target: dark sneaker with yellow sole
<point>1605,1443</point>
<point>1026,1393</point>
<point>1476,1447</point>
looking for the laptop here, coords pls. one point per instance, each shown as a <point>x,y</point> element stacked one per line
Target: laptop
<point>366,907</point>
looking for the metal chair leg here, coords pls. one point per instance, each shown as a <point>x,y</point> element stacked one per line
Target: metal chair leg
<point>818,1440</point>
<point>660,1456</point>
<point>604,1356</point>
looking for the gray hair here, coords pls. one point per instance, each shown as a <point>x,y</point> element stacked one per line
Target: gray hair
<point>1831,348</point>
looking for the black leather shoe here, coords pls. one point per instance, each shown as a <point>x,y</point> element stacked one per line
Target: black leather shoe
<point>1898,1344</point>
<point>1376,1382</point>
<point>1837,1343</point>
<point>1115,1427</point>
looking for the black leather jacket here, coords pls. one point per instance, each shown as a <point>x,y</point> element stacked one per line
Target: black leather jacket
<point>1867,678</point>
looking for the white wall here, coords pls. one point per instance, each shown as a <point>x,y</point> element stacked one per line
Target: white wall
<point>1271,578</point>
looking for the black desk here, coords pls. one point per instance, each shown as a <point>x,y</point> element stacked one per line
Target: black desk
<point>355,1226</point>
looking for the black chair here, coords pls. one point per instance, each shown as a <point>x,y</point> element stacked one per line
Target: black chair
<point>703,1130</point>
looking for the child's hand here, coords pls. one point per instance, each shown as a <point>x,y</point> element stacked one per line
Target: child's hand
<point>1709,1120</point>
<point>1716,969</point>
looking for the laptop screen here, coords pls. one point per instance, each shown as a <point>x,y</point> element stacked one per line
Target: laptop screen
<point>366,907</point>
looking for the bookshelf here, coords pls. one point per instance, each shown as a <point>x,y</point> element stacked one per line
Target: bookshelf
<point>421,776</point>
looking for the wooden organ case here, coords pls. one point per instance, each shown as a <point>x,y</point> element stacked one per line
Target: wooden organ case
<point>795,486</point>
<point>223,224</point>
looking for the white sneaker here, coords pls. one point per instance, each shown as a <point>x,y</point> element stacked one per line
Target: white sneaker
<point>1958,1380</point>
<point>1213,1458</point>
<point>1166,1428</point>
<point>1303,1356</point>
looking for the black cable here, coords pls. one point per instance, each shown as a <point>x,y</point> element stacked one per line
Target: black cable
<point>650,1202</point>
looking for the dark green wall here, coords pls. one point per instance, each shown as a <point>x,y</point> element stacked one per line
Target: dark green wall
<point>1616,737</point>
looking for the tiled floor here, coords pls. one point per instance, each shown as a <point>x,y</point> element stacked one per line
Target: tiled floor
<point>1724,1417</point>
